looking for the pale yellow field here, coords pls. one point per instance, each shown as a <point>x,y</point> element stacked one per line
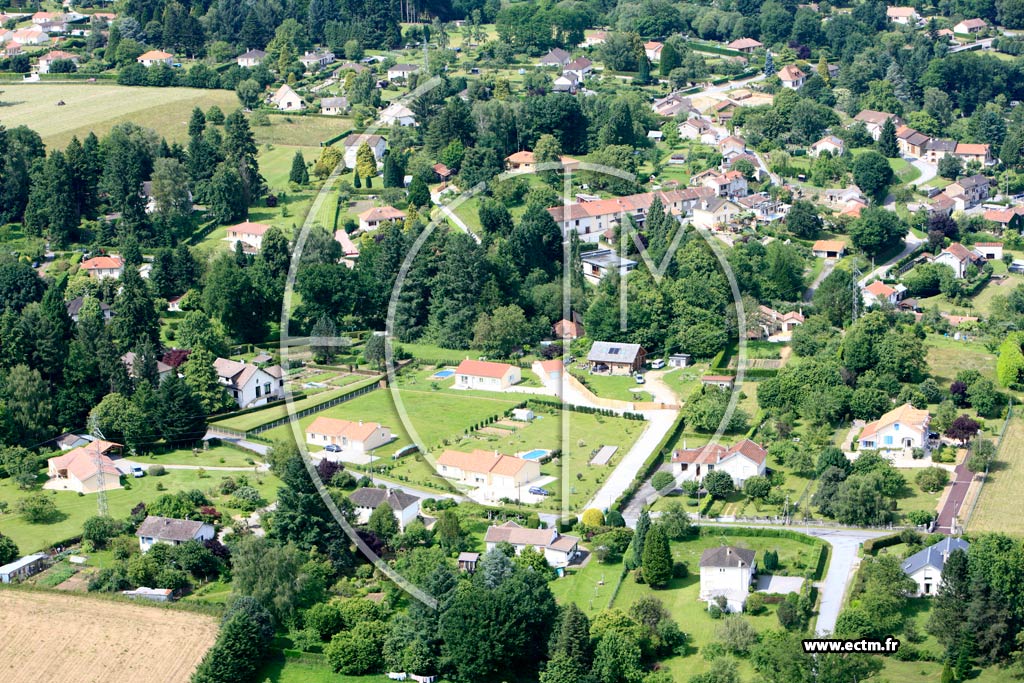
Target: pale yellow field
<point>99,106</point>
<point>51,637</point>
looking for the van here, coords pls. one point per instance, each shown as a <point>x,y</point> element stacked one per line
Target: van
<point>658,363</point>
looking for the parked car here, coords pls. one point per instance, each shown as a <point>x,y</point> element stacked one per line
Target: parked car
<point>332,448</point>
<point>138,472</point>
<point>538,491</point>
<point>658,363</point>
<point>639,378</point>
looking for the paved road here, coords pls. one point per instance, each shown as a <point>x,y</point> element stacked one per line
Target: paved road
<point>962,478</point>
<point>842,565</point>
<point>910,244</point>
<point>927,170</point>
<point>659,422</point>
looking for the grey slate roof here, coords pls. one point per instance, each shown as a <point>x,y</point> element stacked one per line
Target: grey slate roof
<point>934,556</point>
<point>727,556</point>
<point>371,498</point>
<point>169,529</point>
<point>613,352</point>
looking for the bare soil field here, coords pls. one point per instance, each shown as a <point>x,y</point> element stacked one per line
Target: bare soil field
<point>50,637</point>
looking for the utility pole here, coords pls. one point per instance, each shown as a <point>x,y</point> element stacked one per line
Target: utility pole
<point>101,481</point>
<point>856,290</point>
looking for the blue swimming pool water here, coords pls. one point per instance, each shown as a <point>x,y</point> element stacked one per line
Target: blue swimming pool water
<point>441,374</point>
<point>535,454</point>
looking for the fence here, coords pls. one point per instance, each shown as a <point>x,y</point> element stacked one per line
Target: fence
<point>361,391</point>
<point>984,475</point>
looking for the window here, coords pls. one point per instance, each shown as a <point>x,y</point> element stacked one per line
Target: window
<point>259,391</point>
<point>887,440</point>
<point>266,388</point>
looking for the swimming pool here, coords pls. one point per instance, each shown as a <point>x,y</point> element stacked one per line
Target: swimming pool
<point>442,374</point>
<point>535,454</point>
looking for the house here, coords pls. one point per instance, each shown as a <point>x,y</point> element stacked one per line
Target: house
<point>567,82</point>
<point>287,99</point>
<point>653,50</point>
<point>747,45</point>
<point>374,217</point>
<point>354,438</point>
<point>874,120</point>
<point>720,381</point>
<point>773,322</point>
<point>24,568</point>
<point>351,144</point>
<point>581,67</point>
<point>248,233</point>
<point>556,57</point>
<point>502,474</point>
<point>945,204</point>
<point>590,218</point>
<point>442,172</point>
<point>467,562</point>
<point>333,106</point>
<point>594,39</point>
<point>316,59</point>
<point>716,213</point>
<point>172,531</point>
<point>900,429</point>
<point>903,15</point>
<point>29,36</point>
<point>405,506</point>
<point>86,469</point>
<point>792,77</point>
<point>599,263</point>
<point>974,189</point>
<point>878,292</point>
<point>526,162</point>
<point>680,360</point>
<point>969,152</point>
<point>729,184</point>
<point>40,18</point>
<point>839,198</point>
<point>349,248</point>
<point>911,143</point>
<point>830,143</point>
<point>250,58</point>
<point>698,128</point>
<point>153,57</point>
<point>925,566</point>
<point>12,48</point>
<point>50,57</point>
<point>163,370</point>
<point>970,26</point>
<point>673,104</point>
<point>937,148</point>
<point>741,461</point>
<point>1012,217</point>
<point>549,371</point>
<point>959,258</point>
<point>102,267</point>
<point>569,329</point>
<point>726,571</point>
<point>486,375</point>
<point>397,114</point>
<point>401,71</point>
<point>354,67</point>
<point>558,550</point>
<point>829,249</point>
<point>615,358</point>
<point>732,146</point>
<point>74,309</point>
<point>249,384</point>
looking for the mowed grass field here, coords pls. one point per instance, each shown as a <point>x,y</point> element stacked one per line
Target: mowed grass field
<point>62,637</point>
<point>998,507</point>
<point>98,107</point>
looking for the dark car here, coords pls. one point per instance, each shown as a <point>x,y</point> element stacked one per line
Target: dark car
<point>332,448</point>
<point>538,491</point>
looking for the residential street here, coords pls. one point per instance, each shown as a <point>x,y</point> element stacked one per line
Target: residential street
<point>927,170</point>
<point>910,244</point>
<point>962,478</point>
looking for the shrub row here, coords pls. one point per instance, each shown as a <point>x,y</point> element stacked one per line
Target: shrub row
<point>873,545</point>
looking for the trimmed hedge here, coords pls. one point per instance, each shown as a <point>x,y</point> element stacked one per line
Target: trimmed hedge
<point>767,532</point>
<point>650,465</point>
<point>873,545</point>
<point>713,49</point>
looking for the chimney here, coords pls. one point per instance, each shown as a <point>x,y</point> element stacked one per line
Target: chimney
<point>360,423</point>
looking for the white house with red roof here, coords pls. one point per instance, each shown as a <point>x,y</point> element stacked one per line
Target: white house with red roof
<point>249,384</point>
<point>792,77</point>
<point>746,45</point>
<point>52,56</point>
<point>501,474</point>
<point>154,57</point>
<point>830,144</point>
<point>352,437</point>
<point>101,267</point>
<point>249,234</point>
<point>741,461</point>
<point>878,292</point>
<point>486,375</point>
<point>959,258</point>
<point>653,50</point>
<point>970,26</point>
<point>80,469</point>
<point>374,217</point>
<point>558,550</point>
<point>898,430</point>
<point>903,15</point>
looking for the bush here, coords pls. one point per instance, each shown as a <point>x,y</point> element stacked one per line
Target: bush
<point>770,560</point>
<point>932,479</point>
<point>593,517</point>
<point>662,480</point>
<point>755,603</point>
<point>680,570</point>
<point>157,470</point>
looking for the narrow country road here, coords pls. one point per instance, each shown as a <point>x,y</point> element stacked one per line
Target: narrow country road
<point>826,270</point>
<point>910,244</point>
<point>450,215</point>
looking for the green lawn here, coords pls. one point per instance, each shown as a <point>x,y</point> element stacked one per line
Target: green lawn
<point>300,130</point>
<point>261,417</point>
<point>219,456</point>
<point>613,386</point>
<point>981,303</point>
<point>282,670</point>
<point>590,587</point>
<point>76,509</point>
<point>947,357</point>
